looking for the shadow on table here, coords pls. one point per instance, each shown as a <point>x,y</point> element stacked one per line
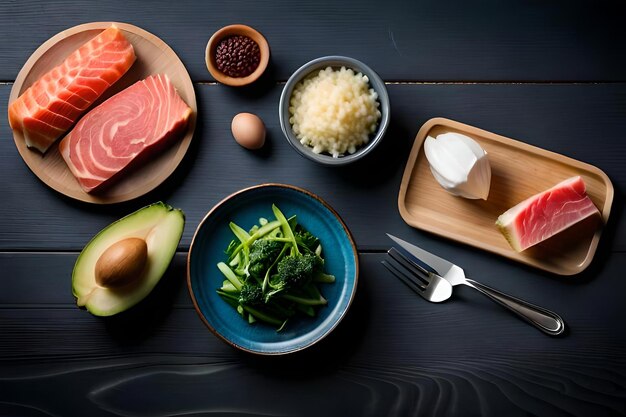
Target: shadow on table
<point>326,356</point>
<point>383,163</point>
<point>260,88</point>
<point>147,317</point>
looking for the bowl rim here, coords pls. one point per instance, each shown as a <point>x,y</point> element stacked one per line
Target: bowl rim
<point>351,240</point>
<point>232,30</point>
<point>333,61</point>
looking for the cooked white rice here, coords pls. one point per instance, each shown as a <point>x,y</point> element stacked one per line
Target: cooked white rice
<point>334,111</point>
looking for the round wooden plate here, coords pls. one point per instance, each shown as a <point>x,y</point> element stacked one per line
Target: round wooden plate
<point>153,57</point>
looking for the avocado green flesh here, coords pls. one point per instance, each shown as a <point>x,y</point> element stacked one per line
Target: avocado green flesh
<point>160,226</point>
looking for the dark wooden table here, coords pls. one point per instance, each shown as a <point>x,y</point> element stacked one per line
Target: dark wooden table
<point>552,74</point>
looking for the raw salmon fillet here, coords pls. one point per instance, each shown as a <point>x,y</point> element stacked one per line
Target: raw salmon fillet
<point>126,128</point>
<point>546,214</point>
<point>51,106</point>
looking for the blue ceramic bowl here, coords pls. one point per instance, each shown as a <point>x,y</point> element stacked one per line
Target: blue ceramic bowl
<point>245,208</point>
<point>313,67</point>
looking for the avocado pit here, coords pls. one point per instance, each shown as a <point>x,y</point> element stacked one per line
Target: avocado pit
<point>122,263</point>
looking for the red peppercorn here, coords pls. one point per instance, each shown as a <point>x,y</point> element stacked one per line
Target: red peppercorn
<point>237,56</point>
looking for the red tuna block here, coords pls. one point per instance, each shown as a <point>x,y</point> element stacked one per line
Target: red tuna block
<point>131,125</point>
<point>546,214</point>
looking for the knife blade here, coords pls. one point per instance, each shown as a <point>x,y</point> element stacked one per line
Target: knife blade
<point>451,272</point>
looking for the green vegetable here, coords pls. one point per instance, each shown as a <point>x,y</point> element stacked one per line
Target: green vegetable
<point>273,270</point>
<point>306,240</point>
<point>262,255</point>
<point>250,295</point>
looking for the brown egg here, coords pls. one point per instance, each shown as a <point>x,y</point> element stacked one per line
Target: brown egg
<point>121,263</point>
<point>248,130</point>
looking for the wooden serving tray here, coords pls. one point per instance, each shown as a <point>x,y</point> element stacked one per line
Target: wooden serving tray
<point>518,171</point>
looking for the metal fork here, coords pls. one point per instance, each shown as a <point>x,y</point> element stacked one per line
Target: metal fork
<point>435,288</point>
<point>429,285</point>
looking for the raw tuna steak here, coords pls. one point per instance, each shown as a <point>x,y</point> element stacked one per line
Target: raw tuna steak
<point>51,106</point>
<point>546,214</point>
<point>126,128</point>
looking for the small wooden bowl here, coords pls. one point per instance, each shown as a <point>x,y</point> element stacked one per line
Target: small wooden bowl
<point>234,30</point>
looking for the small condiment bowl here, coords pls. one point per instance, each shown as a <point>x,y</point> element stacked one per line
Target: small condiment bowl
<point>235,30</point>
<point>313,67</point>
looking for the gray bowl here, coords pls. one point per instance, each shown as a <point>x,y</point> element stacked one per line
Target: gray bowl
<point>336,62</point>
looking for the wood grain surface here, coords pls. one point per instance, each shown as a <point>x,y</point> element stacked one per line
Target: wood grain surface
<point>394,354</point>
<point>549,74</point>
<point>402,40</point>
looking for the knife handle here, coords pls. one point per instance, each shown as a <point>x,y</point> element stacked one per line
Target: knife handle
<point>545,320</point>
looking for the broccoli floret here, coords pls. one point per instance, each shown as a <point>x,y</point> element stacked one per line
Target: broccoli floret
<point>250,295</point>
<point>262,254</point>
<point>296,271</point>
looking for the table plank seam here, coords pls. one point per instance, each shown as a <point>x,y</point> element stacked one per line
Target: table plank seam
<point>439,82</point>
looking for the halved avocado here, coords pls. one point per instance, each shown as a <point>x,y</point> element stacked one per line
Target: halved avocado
<point>160,226</point>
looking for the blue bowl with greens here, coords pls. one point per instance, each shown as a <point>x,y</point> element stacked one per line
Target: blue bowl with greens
<point>254,326</point>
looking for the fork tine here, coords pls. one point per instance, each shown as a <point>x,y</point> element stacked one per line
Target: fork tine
<point>428,285</point>
<point>418,288</point>
<point>411,266</point>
